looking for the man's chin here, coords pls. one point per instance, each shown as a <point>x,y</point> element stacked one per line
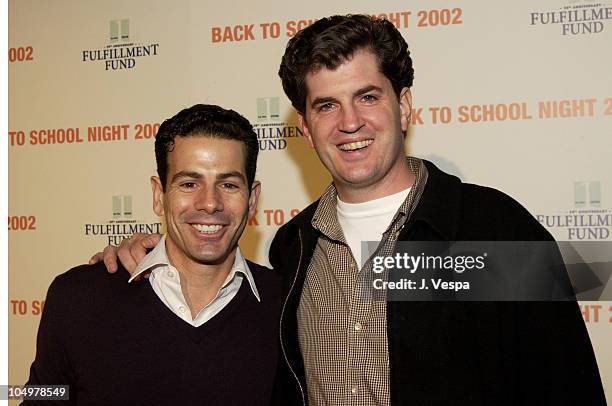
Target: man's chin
<point>210,257</point>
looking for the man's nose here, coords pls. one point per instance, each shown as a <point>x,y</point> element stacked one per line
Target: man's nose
<point>209,200</point>
<point>351,119</point>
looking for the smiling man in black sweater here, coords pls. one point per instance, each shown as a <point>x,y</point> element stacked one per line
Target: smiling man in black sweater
<point>203,330</point>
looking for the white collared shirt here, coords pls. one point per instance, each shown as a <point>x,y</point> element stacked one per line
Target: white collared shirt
<point>166,283</point>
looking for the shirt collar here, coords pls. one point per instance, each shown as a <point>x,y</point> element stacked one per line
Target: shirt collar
<point>325,218</point>
<point>159,258</point>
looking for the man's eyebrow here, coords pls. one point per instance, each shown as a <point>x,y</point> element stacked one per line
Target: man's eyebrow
<point>367,89</point>
<point>231,174</point>
<point>197,175</point>
<point>186,174</point>
<point>321,100</point>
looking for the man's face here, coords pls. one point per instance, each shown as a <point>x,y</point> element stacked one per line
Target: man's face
<point>207,201</point>
<point>356,124</point>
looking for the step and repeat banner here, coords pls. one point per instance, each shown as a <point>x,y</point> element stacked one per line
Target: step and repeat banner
<point>513,95</point>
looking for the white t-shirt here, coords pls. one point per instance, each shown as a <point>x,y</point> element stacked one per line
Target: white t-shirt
<point>367,221</point>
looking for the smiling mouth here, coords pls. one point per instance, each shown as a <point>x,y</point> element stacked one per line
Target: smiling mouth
<point>354,146</point>
<point>207,228</point>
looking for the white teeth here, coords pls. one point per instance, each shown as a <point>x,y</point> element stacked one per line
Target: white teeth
<point>351,146</point>
<point>208,229</point>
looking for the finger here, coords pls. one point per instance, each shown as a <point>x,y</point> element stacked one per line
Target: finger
<point>138,247</point>
<point>151,240</point>
<point>98,256</point>
<point>125,256</point>
<point>110,258</point>
<point>139,243</point>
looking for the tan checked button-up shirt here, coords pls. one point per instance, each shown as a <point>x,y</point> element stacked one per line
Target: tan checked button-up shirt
<point>342,329</point>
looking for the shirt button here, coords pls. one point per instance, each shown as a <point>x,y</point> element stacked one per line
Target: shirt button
<point>358,326</point>
<point>170,274</point>
<point>182,309</point>
<point>354,390</point>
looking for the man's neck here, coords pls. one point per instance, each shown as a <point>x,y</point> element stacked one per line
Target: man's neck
<point>200,283</point>
<point>400,179</point>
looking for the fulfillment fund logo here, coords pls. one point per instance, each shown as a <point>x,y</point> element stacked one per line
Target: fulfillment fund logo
<point>587,220</point>
<point>122,207</point>
<point>120,52</point>
<point>578,17</point>
<point>122,225</point>
<point>272,133</point>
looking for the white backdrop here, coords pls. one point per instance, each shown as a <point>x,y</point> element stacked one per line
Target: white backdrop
<point>505,95</point>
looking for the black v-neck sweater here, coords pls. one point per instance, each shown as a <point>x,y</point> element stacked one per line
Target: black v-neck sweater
<point>116,343</point>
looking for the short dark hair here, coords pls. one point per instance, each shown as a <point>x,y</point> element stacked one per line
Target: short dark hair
<point>209,121</point>
<point>330,41</point>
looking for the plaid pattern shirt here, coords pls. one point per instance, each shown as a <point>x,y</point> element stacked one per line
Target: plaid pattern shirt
<point>342,329</point>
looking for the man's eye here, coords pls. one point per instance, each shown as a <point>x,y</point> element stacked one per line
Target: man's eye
<point>369,98</point>
<point>188,185</point>
<point>325,107</point>
<point>229,186</point>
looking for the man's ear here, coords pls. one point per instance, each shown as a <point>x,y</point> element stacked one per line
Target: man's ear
<point>158,196</point>
<point>405,102</point>
<point>254,199</point>
<point>305,130</point>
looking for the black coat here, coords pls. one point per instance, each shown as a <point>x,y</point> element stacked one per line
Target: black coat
<point>456,353</point>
